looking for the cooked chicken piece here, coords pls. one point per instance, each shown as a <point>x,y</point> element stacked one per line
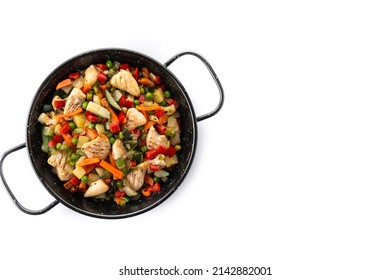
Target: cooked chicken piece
<point>63,168</point>
<point>90,76</point>
<point>125,81</point>
<point>173,124</point>
<point>134,119</point>
<point>118,150</point>
<point>97,188</point>
<point>74,100</point>
<point>137,176</point>
<point>154,139</point>
<point>98,147</point>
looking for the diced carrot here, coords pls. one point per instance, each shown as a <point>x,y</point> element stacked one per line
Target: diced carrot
<point>82,187</point>
<point>117,200</point>
<point>71,114</point>
<point>89,168</point>
<point>86,88</point>
<point>107,181</point>
<point>149,180</point>
<point>68,139</point>
<point>112,169</point>
<point>145,82</point>
<point>64,83</point>
<point>103,88</point>
<point>91,133</point>
<point>113,163</point>
<point>148,108</point>
<point>163,119</point>
<point>148,125</point>
<point>89,161</point>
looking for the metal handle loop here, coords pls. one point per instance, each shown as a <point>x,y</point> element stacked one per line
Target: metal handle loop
<point>213,75</point>
<point>16,202</point>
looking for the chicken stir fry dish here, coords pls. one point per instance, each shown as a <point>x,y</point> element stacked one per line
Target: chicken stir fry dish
<point>112,132</point>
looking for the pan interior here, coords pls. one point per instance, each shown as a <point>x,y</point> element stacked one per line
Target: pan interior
<point>76,201</point>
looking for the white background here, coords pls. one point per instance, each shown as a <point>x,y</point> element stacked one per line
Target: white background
<point>293,173</point>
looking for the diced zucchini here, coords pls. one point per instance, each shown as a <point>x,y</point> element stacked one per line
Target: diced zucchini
<point>82,140</point>
<point>129,191</point>
<point>111,101</point>
<point>98,110</point>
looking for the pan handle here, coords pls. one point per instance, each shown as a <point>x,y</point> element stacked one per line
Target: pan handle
<point>212,73</point>
<point>17,203</point>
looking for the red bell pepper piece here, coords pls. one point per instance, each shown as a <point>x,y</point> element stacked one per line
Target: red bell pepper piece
<point>122,101</point>
<point>171,151</point>
<point>74,180</point>
<point>155,188</point>
<point>136,73</point>
<point>121,117</point>
<point>171,101</point>
<point>161,150</point>
<point>150,154</point>
<point>161,128</point>
<point>51,144</point>
<point>59,103</point>
<point>129,103</point>
<point>160,113</point>
<point>154,167</point>
<point>114,127</point>
<point>102,67</point>
<point>74,76</point>
<point>65,129</point>
<point>101,77</point>
<point>124,66</point>
<point>120,193</point>
<point>91,117</point>
<point>57,138</point>
<point>136,131</point>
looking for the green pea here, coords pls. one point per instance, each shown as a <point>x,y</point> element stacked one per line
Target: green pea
<point>167,94</point>
<point>58,146</point>
<point>72,125</point>
<point>163,103</point>
<point>149,95</point>
<point>112,140</point>
<point>144,149</point>
<point>74,157</point>
<point>91,126</point>
<point>142,90</point>
<point>74,141</point>
<point>137,102</point>
<point>84,179</point>
<point>51,133</point>
<point>84,105</point>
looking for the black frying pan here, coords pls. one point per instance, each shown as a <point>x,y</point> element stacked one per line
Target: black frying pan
<point>76,201</point>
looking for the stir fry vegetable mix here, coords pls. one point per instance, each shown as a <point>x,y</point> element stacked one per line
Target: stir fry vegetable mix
<point>111,132</point>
